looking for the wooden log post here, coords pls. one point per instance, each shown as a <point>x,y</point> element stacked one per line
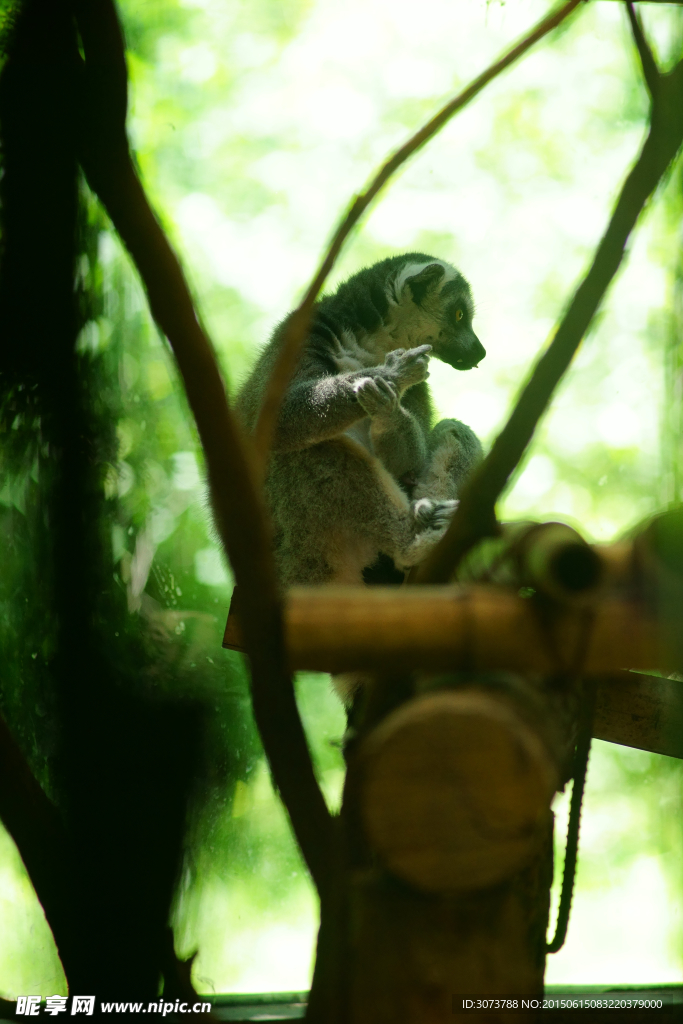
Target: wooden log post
<point>449,892</point>
<point>415,958</point>
<point>456,787</point>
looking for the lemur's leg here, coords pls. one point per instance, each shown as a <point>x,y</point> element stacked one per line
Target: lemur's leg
<point>405,530</point>
<point>454,451</point>
<point>397,438</point>
<point>337,507</point>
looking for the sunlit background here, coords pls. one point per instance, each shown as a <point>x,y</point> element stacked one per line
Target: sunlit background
<point>254,123</point>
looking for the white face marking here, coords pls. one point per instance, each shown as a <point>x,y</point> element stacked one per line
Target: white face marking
<point>395,292</point>
<point>408,324</point>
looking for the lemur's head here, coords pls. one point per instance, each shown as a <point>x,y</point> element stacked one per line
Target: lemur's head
<point>443,297</point>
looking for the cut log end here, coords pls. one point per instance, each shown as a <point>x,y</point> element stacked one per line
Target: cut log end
<point>456,791</point>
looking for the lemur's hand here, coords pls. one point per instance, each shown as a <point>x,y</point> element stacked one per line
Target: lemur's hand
<point>378,397</point>
<point>433,515</point>
<point>408,366</point>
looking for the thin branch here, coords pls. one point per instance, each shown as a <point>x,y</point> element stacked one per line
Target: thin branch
<point>294,340</point>
<point>647,60</point>
<point>240,516</point>
<point>475,516</point>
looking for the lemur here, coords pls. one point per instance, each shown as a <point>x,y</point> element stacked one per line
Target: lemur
<point>356,474</point>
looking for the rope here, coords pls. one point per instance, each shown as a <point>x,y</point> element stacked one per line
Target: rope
<point>580,769</point>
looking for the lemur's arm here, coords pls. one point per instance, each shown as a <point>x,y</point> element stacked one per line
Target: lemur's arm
<point>317,408</point>
<point>398,437</point>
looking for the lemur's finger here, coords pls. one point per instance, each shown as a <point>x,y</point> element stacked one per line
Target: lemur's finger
<point>421,350</point>
<point>375,396</point>
<point>366,388</point>
<point>387,387</point>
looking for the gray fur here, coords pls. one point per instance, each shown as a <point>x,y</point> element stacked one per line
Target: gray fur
<point>356,469</point>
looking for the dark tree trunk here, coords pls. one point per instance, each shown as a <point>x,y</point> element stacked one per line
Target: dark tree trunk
<point>124,765</point>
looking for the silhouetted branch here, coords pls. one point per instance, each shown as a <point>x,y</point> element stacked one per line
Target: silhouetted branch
<point>475,516</point>
<point>650,71</point>
<point>293,343</point>
<point>239,513</point>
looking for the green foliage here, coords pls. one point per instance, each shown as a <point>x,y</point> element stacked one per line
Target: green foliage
<point>8,14</point>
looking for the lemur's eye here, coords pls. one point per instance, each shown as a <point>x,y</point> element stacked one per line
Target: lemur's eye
<point>459,314</point>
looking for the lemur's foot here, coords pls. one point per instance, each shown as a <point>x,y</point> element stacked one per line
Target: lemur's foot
<point>377,397</point>
<point>408,366</point>
<point>431,521</point>
<point>433,515</point>
<point>418,550</point>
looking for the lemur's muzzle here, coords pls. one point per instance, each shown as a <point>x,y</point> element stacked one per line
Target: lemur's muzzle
<point>472,355</point>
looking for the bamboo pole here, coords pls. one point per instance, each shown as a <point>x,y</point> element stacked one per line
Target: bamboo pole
<point>341,629</point>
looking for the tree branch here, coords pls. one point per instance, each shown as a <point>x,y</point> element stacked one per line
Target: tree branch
<point>649,66</point>
<point>294,340</point>
<point>239,512</point>
<point>475,516</point>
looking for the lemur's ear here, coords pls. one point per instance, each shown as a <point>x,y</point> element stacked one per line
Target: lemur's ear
<point>424,282</point>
